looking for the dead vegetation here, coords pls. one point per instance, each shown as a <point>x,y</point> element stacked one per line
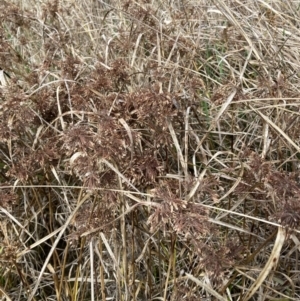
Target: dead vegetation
<point>149,150</point>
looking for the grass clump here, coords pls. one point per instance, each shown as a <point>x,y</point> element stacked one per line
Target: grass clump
<point>149,151</point>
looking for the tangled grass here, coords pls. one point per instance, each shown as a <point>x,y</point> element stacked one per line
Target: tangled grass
<point>149,150</point>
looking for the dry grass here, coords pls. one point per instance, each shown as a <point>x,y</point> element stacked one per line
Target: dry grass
<point>149,150</point>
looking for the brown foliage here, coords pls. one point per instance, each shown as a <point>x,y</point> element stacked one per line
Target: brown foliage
<point>118,136</point>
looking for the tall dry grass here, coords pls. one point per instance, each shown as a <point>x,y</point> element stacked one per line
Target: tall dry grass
<point>149,150</point>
